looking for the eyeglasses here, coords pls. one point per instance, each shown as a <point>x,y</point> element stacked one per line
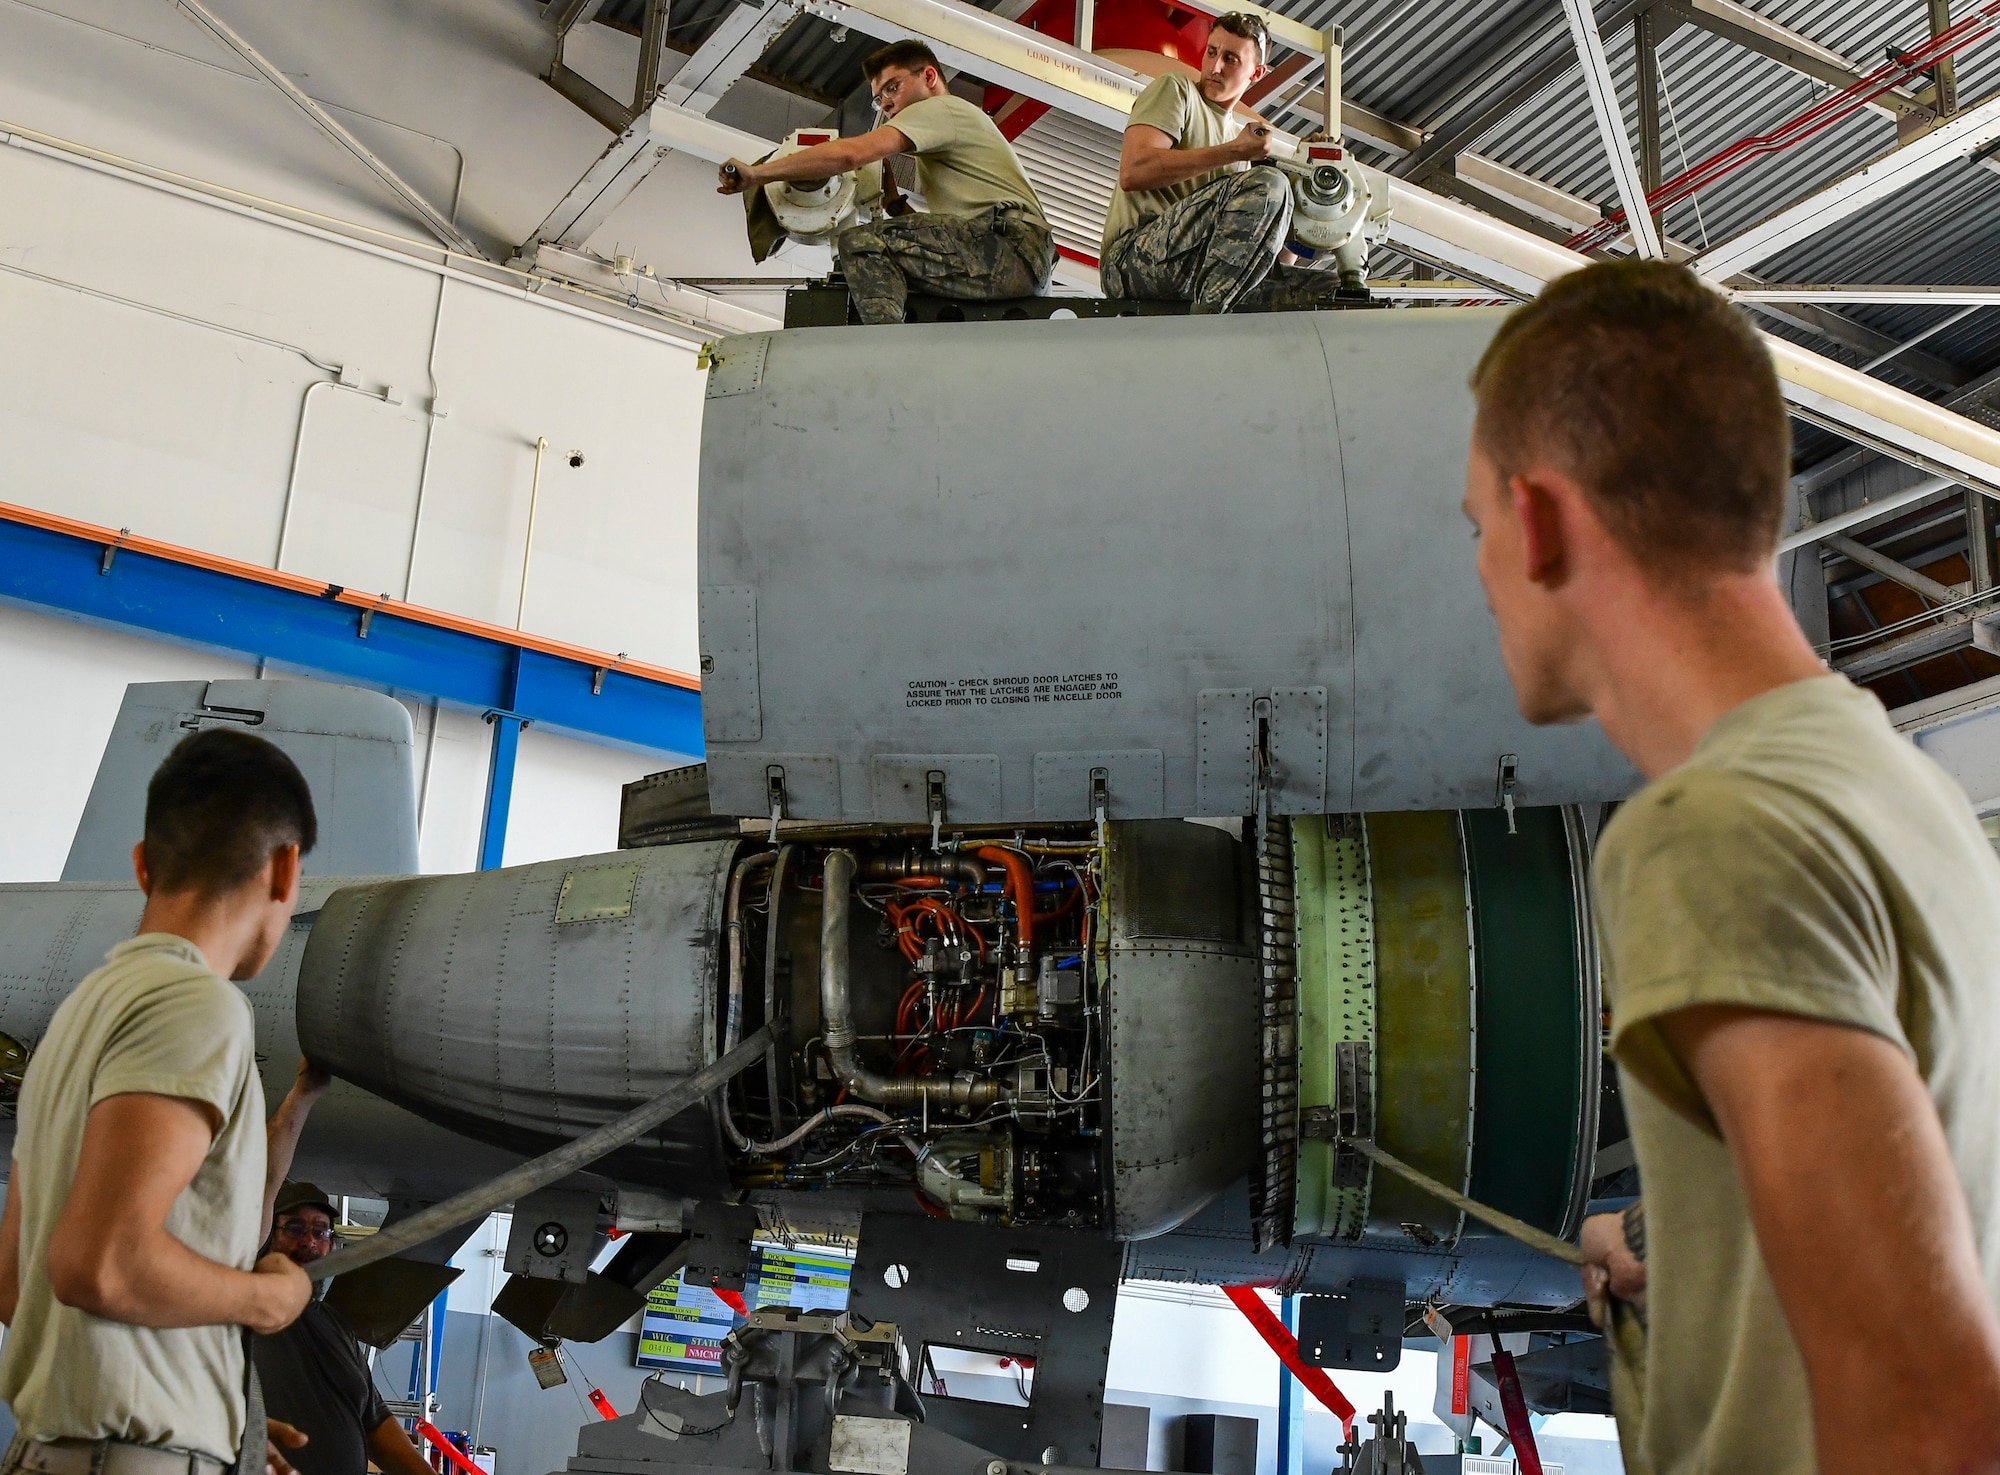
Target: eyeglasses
<point>307,1230</point>
<point>1243,23</point>
<point>891,89</point>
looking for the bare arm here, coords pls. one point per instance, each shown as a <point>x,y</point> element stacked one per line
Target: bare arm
<point>111,1253</point>
<point>1865,1232</point>
<point>1148,159</point>
<point>391,1449</point>
<point>821,161</point>
<point>10,1246</point>
<point>281,1133</point>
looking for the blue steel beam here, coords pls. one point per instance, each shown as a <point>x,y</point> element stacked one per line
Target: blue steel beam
<point>95,578</point>
<point>499,790</point>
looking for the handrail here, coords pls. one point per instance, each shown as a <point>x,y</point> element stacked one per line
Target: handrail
<point>125,541</point>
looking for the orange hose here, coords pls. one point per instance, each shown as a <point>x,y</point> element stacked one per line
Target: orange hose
<point>1021,882</point>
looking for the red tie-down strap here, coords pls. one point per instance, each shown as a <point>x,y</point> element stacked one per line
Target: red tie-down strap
<point>446,1448</point>
<point>1286,1346</point>
<point>1514,1408</point>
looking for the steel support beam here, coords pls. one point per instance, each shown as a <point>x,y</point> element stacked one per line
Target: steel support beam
<point>1001,52</point>
<point>1844,330</point>
<point>499,788</point>
<point>432,217</point>
<point>1646,65</point>
<point>1874,181</point>
<point>1944,76</point>
<point>1741,26</point>
<point>1844,400</point>
<point>587,95</point>
<point>1465,127</point>
<point>665,126</point>
<point>1854,517</point>
<point>1888,296</point>
<point>730,50</point>
<point>1918,584</point>
<point>1926,644</point>
<point>652,42</point>
<point>102,577</point>
<point>605,185</point>
<point>1979,550</point>
<point>1611,127</point>
<point>567,15</point>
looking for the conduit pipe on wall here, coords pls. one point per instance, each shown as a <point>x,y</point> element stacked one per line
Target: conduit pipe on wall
<point>684,329</point>
<point>528,543</point>
<point>298,454</point>
<point>305,400</point>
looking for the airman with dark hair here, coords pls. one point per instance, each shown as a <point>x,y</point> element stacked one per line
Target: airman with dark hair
<point>138,1195</point>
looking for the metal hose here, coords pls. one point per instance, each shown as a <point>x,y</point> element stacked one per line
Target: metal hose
<point>915,864</point>
<point>478,1202</point>
<point>771,936</point>
<point>732,1026</point>
<point>836,1006</point>
<point>814,1122</point>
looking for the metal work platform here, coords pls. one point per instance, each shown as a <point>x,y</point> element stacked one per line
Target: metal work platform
<point>825,305</point>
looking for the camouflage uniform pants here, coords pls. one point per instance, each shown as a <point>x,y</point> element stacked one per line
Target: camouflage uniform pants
<point>1218,250</point>
<point>1000,253</point>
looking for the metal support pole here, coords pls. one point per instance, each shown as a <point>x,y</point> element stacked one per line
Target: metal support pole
<point>1291,1423</point>
<point>1979,554</point>
<point>1611,125</point>
<point>528,542</point>
<point>499,789</point>
<point>652,41</point>
<point>1646,55</point>
<point>1086,25</point>
<point>1918,584</point>
<point>1944,76</point>
<point>221,30</point>
<point>1330,85</point>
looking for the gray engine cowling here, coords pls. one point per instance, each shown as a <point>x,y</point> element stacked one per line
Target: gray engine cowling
<point>527,1006</point>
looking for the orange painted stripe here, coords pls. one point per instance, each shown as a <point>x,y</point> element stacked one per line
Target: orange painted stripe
<point>319,588</point>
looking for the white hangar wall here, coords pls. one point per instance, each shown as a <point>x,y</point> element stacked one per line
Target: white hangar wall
<point>170,366</point>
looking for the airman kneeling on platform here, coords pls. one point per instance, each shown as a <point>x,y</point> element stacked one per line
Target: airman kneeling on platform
<point>982,235</point>
<point>1192,219</point>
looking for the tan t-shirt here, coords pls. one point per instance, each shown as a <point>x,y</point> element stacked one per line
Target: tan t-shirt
<point>1175,106</point>
<point>965,166</point>
<point>155,1018</point>
<point>1806,859</point>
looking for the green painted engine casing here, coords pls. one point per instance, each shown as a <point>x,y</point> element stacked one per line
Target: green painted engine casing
<point>1462,954</point>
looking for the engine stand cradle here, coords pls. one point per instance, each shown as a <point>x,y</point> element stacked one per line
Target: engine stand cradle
<point>1041,1295</point>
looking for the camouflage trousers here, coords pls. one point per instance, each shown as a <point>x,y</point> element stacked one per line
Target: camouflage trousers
<point>999,253</point>
<point>1218,250</point>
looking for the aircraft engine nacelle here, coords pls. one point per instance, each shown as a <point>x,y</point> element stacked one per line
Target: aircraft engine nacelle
<point>1175,1025</point>
<point>1186,564</point>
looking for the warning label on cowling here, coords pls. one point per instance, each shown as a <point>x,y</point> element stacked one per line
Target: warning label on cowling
<point>1011,691</point>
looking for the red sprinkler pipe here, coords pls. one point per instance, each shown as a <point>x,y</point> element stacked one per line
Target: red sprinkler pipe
<point>1815,119</point>
<point>1021,882</point>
